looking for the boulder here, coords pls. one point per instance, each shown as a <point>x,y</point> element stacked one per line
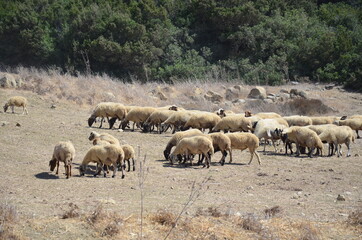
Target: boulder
<point>257,93</point>
<point>7,80</point>
<point>232,93</point>
<point>158,93</point>
<point>213,97</point>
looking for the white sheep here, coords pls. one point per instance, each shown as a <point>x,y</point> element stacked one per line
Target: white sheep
<point>63,152</point>
<point>156,118</point>
<point>304,137</point>
<point>202,121</point>
<point>233,123</point>
<point>16,101</point>
<point>177,137</point>
<point>138,115</point>
<point>94,136</point>
<point>269,129</point>
<point>298,120</point>
<point>354,123</point>
<point>323,120</point>
<point>337,136</point>
<point>106,110</point>
<point>194,145</point>
<point>103,155</point>
<point>243,141</point>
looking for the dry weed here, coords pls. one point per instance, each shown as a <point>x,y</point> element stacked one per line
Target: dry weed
<point>72,212</point>
<point>8,219</point>
<point>272,212</point>
<point>308,232</point>
<point>355,218</point>
<point>164,217</point>
<point>251,223</point>
<point>97,215</point>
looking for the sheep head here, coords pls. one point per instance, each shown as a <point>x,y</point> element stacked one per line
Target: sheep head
<point>173,108</point>
<point>248,114</point>
<point>91,120</point>
<point>52,164</point>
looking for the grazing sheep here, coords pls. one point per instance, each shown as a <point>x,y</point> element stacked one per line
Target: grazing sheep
<point>304,137</point>
<point>243,141</point>
<point>323,120</point>
<point>202,121</point>
<point>103,136</point>
<point>337,136</point>
<point>263,115</point>
<point>177,137</point>
<point>138,115</point>
<point>194,145</point>
<point>106,110</point>
<point>298,120</point>
<point>269,129</point>
<point>177,119</point>
<point>222,143</point>
<point>16,101</point>
<point>156,118</point>
<point>233,123</point>
<point>103,155</point>
<point>354,123</point>
<point>63,152</point>
<point>129,154</point>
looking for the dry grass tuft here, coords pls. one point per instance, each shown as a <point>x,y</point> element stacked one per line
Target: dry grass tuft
<point>308,232</point>
<point>72,212</point>
<point>210,211</point>
<point>97,215</point>
<point>355,218</point>
<point>251,223</point>
<point>272,212</point>
<point>164,218</point>
<point>8,219</point>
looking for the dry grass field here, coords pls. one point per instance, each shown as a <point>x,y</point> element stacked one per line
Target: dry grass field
<point>287,197</point>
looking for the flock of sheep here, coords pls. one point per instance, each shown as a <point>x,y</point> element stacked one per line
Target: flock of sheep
<point>226,131</point>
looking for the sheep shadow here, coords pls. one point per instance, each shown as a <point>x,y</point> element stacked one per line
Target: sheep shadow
<point>46,176</point>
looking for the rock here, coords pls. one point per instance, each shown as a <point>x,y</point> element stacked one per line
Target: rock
<point>18,124</point>
<point>250,188</point>
<point>341,198</point>
<point>159,94</point>
<point>213,97</point>
<point>329,87</point>
<point>4,123</point>
<point>7,81</point>
<point>168,89</point>
<point>257,93</point>
<point>238,101</point>
<point>303,94</point>
<point>238,87</point>
<point>294,83</point>
<point>198,91</point>
<point>231,94</point>
<point>268,101</point>
<point>53,106</point>
<point>284,91</point>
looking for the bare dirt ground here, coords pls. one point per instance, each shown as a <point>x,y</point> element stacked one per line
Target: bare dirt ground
<point>304,188</point>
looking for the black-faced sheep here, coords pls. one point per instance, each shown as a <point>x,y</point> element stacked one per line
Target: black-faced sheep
<point>106,110</point>
<point>16,101</point>
<point>63,152</point>
<point>194,145</point>
<point>202,121</point>
<point>177,120</point>
<point>337,136</point>
<point>354,123</point>
<point>222,143</point>
<point>103,155</point>
<point>243,141</point>
<point>156,118</point>
<point>138,115</point>
<point>268,129</point>
<point>233,123</point>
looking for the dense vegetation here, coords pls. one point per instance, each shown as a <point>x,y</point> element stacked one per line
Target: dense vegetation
<point>260,42</point>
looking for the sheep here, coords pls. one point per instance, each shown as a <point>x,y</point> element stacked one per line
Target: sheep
<point>106,110</point>
<point>138,115</point>
<point>243,141</point>
<point>177,119</point>
<point>129,154</point>
<point>222,143</point>
<point>103,155</point>
<point>16,101</point>
<point>263,114</point>
<point>337,136</point>
<point>63,152</point>
<point>304,137</point>
<point>298,120</point>
<point>233,123</point>
<point>177,137</point>
<point>269,129</point>
<point>103,136</point>
<point>323,120</point>
<point>354,123</point>
<point>156,118</point>
<point>194,145</point>
<point>202,121</point>
<point>320,129</point>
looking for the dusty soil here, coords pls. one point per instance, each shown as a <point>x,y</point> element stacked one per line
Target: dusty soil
<point>305,188</point>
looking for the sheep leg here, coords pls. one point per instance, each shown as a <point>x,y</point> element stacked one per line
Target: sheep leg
<point>57,167</point>
<point>129,165</point>
<point>349,149</point>
<point>275,148</point>
<point>264,144</point>
<point>133,127</point>
<point>133,163</point>
<point>12,110</point>
<point>357,134</point>
<point>338,150</point>
<point>310,154</point>
<point>201,159</point>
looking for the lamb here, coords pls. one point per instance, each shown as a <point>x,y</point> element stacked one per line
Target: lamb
<point>269,129</point>
<point>233,123</point>
<point>202,121</point>
<point>337,136</point>
<point>156,118</point>
<point>323,120</point>
<point>138,115</point>
<point>263,115</point>
<point>94,136</point>
<point>304,137</point>
<point>106,110</point>
<point>63,152</point>
<point>177,137</point>
<point>16,101</point>
<point>354,123</point>
<point>103,155</point>
<point>129,154</point>
<point>243,141</point>
<point>194,145</point>
<point>298,120</point>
